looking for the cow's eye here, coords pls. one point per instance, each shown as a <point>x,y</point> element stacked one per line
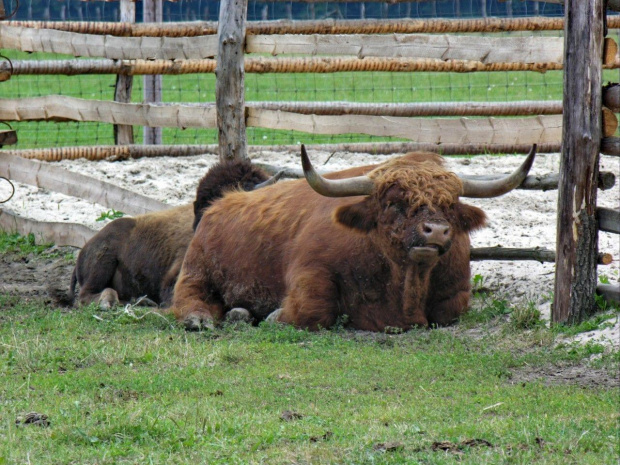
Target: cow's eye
<point>397,208</point>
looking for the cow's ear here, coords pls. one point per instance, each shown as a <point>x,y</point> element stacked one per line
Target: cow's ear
<point>470,218</point>
<point>360,216</point>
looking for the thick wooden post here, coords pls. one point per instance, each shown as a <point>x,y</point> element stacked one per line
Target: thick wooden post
<point>577,234</point>
<point>230,83</point>
<point>152,11</point>
<point>123,134</point>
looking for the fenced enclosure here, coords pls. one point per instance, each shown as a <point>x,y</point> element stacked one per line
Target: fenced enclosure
<point>384,87</point>
<point>362,87</point>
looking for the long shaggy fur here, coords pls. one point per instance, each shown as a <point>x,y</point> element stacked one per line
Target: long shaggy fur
<point>142,256</point>
<point>322,258</point>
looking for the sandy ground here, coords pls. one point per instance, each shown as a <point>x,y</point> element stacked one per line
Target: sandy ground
<point>518,219</point>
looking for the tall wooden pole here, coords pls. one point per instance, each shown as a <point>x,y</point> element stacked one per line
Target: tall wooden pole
<point>123,134</point>
<point>230,80</point>
<point>152,11</point>
<point>577,234</point>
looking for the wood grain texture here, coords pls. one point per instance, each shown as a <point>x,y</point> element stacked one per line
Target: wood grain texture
<point>577,231</point>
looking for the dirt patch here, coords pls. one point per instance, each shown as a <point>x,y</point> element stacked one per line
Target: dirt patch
<point>44,277</point>
<point>577,375</point>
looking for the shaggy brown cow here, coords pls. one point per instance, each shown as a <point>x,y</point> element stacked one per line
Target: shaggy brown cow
<point>386,249</point>
<point>141,256</point>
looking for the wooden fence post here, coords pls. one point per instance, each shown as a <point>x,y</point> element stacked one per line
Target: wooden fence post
<point>230,80</point>
<point>152,11</point>
<point>123,134</point>
<point>577,234</point>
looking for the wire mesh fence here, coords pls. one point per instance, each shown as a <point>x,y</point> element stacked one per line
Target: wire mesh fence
<point>374,87</point>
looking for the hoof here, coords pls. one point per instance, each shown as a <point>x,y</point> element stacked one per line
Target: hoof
<point>198,322</point>
<point>273,316</point>
<point>239,315</point>
<point>108,299</point>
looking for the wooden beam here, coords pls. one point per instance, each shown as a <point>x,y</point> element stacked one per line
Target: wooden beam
<point>66,182</point>
<point>72,234</point>
<point>577,232</point>
<point>152,11</point>
<point>610,292</point>
<point>538,254</point>
<point>611,97</point>
<point>324,26</point>
<point>534,130</point>
<point>123,134</point>
<point>115,152</point>
<point>230,83</point>
<point>610,146</point>
<point>8,137</point>
<point>63,108</point>
<point>608,219</point>
<point>543,182</point>
<point>263,65</point>
<point>484,49</point>
<point>116,48</point>
<point>610,122</point>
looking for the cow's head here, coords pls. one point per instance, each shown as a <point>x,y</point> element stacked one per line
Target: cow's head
<point>411,206</point>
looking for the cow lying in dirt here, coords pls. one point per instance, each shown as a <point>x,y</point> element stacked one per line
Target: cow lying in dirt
<point>139,257</point>
<point>378,246</point>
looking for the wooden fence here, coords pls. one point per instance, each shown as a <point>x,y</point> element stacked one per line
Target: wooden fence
<point>129,49</point>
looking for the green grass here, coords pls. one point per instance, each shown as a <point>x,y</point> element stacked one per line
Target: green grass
<point>118,389</point>
<point>24,245</point>
<point>376,87</point>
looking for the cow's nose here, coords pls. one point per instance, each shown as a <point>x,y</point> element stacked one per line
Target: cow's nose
<point>436,233</point>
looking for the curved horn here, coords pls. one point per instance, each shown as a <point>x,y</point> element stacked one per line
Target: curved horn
<point>359,185</point>
<point>272,180</point>
<point>497,187</point>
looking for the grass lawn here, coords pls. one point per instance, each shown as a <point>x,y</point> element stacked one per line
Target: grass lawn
<point>133,387</point>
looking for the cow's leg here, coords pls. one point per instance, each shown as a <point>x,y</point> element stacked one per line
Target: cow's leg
<point>312,300</point>
<point>192,304</point>
<point>448,311</point>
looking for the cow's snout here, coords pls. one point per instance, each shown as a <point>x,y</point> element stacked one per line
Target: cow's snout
<point>438,234</point>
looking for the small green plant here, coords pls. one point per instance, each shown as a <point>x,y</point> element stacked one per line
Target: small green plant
<point>600,321</point>
<point>22,244</point>
<point>110,215</point>
<point>604,279</point>
<point>526,317</point>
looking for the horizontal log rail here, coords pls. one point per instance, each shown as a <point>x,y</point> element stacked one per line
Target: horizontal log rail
<point>485,49</point>
<point>610,292</point>
<point>73,234</point>
<point>269,65</point>
<point>461,130</point>
<point>63,108</point>
<point>106,46</point>
<point>544,182</point>
<point>608,219</point>
<point>66,182</point>
<point>527,130</point>
<point>538,254</point>
<point>521,108</point>
<point>122,152</point>
<point>325,26</point>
